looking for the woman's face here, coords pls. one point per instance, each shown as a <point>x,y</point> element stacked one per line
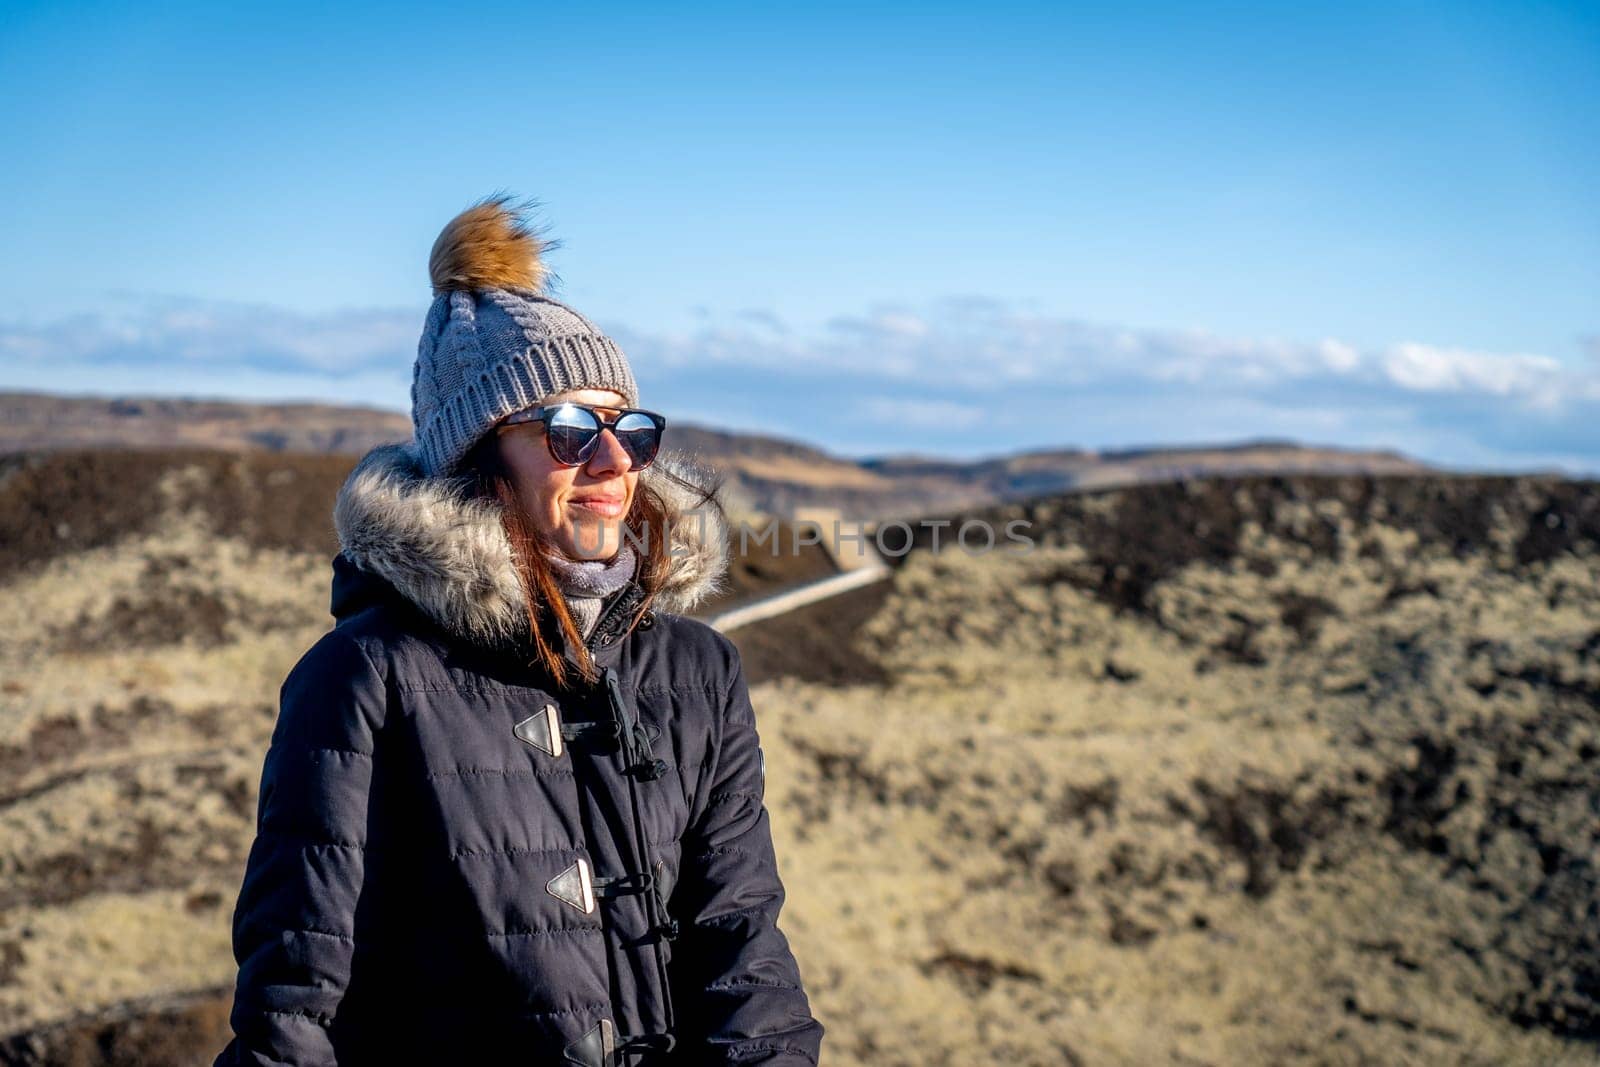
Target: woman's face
<point>580,509</point>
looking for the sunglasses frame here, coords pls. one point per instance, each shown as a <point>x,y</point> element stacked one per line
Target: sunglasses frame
<point>543,412</point>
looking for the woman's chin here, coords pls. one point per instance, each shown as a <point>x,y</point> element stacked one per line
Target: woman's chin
<point>592,537</point>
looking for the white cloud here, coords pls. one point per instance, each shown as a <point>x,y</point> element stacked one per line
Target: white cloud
<point>174,330</point>
<point>1427,368</point>
<point>1338,356</point>
<point>1066,381</point>
<point>1464,405</point>
<point>977,343</point>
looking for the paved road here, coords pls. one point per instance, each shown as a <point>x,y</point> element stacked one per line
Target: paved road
<point>872,570</point>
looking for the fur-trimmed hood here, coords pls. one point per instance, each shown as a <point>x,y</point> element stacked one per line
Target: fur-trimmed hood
<point>449,555</point>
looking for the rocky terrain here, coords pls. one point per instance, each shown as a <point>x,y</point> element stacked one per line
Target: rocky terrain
<point>1246,771</point>
<point>1253,770</point>
<point>770,474</point>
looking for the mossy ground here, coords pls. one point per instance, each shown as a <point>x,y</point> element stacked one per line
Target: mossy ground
<point>1252,771</point>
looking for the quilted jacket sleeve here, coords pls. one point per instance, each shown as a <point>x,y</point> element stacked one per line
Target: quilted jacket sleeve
<point>737,987</point>
<point>293,927</point>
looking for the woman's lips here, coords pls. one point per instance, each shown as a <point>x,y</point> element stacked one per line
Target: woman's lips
<point>603,506</point>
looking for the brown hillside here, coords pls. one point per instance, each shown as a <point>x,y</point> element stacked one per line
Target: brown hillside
<point>768,474</point>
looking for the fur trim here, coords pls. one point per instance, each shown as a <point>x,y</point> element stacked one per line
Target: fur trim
<point>488,246</point>
<point>450,555</point>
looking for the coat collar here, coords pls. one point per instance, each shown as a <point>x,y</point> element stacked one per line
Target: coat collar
<point>449,556</point>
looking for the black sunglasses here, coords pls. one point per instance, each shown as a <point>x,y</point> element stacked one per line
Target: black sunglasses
<point>572,431</point>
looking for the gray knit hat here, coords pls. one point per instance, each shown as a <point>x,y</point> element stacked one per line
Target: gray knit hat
<point>493,343</point>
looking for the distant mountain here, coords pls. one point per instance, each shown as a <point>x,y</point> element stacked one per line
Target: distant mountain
<point>43,421</point>
<point>769,474</point>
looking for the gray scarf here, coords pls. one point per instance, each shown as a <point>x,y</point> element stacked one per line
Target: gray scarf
<point>586,583</point>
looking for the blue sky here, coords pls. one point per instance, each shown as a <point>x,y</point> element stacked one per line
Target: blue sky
<point>958,230</point>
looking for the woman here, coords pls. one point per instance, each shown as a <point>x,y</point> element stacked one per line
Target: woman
<point>513,805</point>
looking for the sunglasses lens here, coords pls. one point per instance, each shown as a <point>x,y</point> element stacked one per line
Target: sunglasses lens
<point>640,437</point>
<point>573,433</point>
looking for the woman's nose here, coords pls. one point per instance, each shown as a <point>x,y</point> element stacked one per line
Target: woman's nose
<point>609,456</point>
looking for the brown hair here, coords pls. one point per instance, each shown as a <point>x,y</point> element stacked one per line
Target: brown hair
<point>647,526</point>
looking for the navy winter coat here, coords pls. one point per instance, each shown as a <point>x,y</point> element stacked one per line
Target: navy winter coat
<point>457,863</point>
